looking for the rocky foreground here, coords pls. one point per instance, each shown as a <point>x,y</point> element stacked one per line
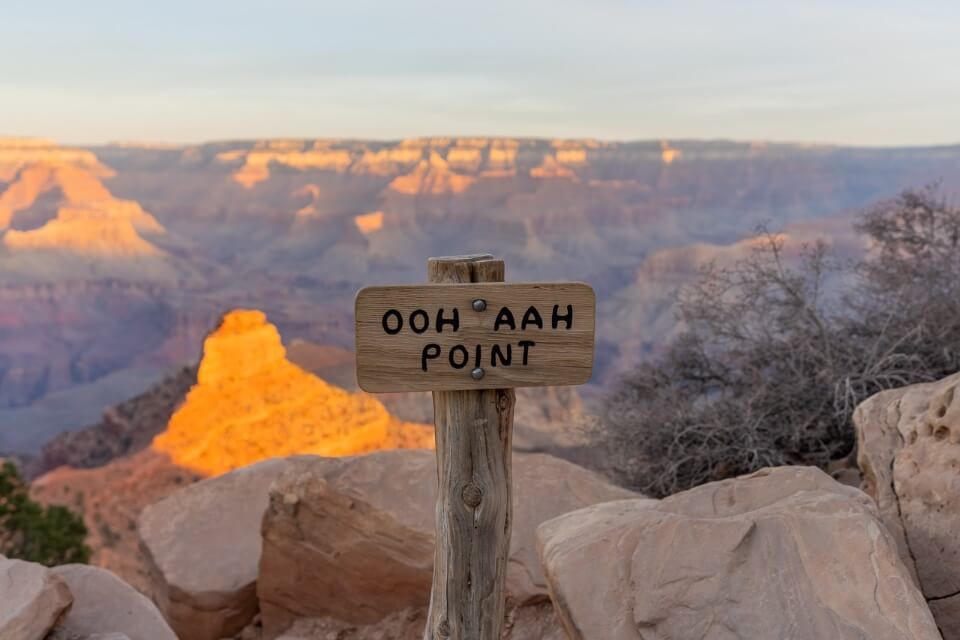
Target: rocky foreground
<point>312,547</point>
<point>318,548</point>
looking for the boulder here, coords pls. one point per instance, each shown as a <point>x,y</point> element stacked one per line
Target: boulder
<point>909,452</point>
<point>782,553</point>
<point>255,404</point>
<point>545,487</point>
<point>353,538</point>
<point>203,547</point>
<point>32,600</point>
<point>105,604</point>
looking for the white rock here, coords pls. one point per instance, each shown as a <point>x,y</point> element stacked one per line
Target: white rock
<point>105,604</point>
<point>783,553</point>
<point>353,538</point>
<point>32,600</point>
<point>909,452</point>
<point>203,544</point>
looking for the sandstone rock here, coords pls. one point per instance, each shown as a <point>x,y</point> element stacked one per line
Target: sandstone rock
<point>89,220</point>
<point>254,404</point>
<point>552,168</point>
<point>257,162</point>
<point>348,538</point>
<point>84,232</point>
<point>31,173</point>
<point>248,404</point>
<point>32,600</point>
<point>431,177</point>
<point>782,553</point>
<point>353,538</point>
<point>105,604</point>
<point>203,543</point>
<point>909,453</point>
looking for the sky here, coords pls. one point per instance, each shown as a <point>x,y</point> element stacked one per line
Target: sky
<point>840,71</point>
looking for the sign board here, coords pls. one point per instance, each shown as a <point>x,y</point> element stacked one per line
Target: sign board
<point>446,337</point>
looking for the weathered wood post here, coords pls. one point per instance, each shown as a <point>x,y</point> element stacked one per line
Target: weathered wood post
<point>470,338</point>
<point>474,430</point>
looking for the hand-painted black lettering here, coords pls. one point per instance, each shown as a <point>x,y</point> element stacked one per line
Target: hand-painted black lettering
<point>419,313</point>
<point>568,317</point>
<point>429,352</point>
<point>532,316</point>
<point>465,357</point>
<point>453,322</point>
<point>497,353</point>
<point>526,344</point>
<point>504,317</point>
<point>478,351</point>
<point>392,313</point>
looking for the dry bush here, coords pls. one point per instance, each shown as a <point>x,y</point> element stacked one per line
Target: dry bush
<point>775,358</point>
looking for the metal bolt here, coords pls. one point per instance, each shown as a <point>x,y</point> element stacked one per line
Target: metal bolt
<point>477,373</point>
<point>479,304</point>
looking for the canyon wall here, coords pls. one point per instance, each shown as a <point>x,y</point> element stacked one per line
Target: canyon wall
<point>115,260</point>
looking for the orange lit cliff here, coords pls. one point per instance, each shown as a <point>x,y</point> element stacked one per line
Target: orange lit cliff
<point>251,403</point>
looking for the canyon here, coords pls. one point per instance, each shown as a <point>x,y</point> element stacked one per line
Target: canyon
<point>117,260</point>
<point>244,403</point>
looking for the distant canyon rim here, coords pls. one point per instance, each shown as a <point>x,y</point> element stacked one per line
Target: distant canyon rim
<point>116,260</point>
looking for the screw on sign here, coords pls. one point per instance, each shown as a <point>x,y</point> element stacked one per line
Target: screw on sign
<point>471,339</point>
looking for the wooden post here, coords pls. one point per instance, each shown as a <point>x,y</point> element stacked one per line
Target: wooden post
<point>470,338</point>
<point>474,430</point>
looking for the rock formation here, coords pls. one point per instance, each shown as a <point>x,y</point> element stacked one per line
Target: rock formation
<point>203,546</point>
<point>32,600</point>
<point>203,569</point>
<point>73,602</point>
<point>102,602</point>
<point>254,404</point>
<point>83,231</point>
<point>908,447</point>
<point>299,242</point>
<point>552,168</point>
<point>73,175</point>
<point>668,153</point>
<point>431,177</point>
<point>353,538</point>
<point>16,153</point>
<point>59,222</point>
<point>782,553</point>
<point>34,169</point>
<point>389,160</point>
<point>248,404</point>
<point>256,167</point>
<point>369,222</point>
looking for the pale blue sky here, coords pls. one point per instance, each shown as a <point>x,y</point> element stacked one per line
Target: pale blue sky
<point>843,71</point>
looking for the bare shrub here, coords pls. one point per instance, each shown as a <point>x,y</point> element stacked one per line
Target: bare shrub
<point>775,358</point>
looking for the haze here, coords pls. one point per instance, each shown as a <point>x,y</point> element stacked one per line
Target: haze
<point>865,73</point>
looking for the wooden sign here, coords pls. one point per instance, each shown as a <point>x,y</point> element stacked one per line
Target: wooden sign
<point>470,339</point>
<point>445,337</point>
